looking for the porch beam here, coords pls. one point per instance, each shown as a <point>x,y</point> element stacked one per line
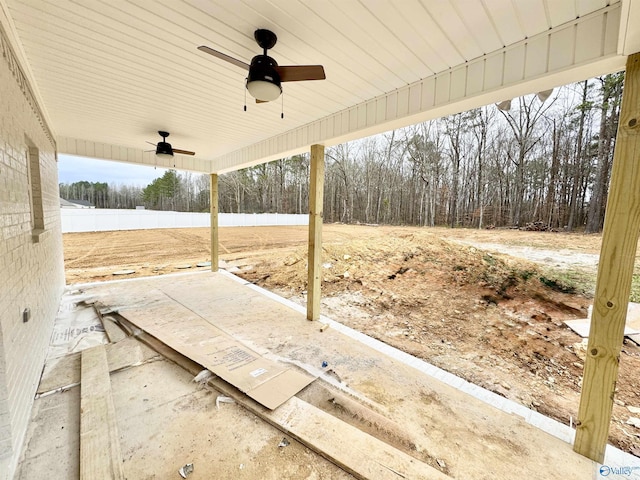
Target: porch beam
<point>615,270</point>
<point>316,193</point>
<point>213,209</point>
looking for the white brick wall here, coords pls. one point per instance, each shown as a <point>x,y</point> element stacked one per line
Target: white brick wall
<point>31,271</point>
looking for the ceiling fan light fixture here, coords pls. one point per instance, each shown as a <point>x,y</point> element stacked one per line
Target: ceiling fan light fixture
<point>264,90</point>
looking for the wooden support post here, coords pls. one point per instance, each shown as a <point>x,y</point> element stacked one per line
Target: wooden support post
<point>213,188</point>
<point>316,194</point>
<point>100,455</point>
<point>619,243</point>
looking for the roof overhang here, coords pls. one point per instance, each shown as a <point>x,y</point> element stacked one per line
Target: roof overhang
<point>109,76</point>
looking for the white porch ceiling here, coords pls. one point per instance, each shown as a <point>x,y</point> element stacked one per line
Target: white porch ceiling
<point>110,74</point>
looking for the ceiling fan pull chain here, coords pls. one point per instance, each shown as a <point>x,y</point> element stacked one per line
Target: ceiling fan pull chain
<point>282,111</point>
<point>245,94</point>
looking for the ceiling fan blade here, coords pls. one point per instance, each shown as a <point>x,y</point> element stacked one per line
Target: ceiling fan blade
<point>224,56</point>
<point>150,143</point>
<point>297,73</point>
<point>183,152</point>
<point>261,101</point>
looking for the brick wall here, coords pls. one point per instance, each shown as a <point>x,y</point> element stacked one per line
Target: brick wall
<point>31,258</point>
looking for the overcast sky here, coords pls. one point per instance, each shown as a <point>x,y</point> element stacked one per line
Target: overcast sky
<point>74,169</point>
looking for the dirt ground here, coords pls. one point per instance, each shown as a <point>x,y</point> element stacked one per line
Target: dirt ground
<point>448,296</point>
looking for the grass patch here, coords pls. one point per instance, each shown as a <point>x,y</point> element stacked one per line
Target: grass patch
<point>573,281</point>
<point>489,259</point>
<point>559,285</point>
<point>581,282</point>
<point>526,274</point>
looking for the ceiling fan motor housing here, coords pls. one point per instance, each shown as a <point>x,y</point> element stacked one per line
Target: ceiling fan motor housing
<point>263,81</point>
<point>164,148</point>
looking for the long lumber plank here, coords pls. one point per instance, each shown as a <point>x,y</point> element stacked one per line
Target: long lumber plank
<point>358,453</point>
<point>615,273</point>
<point>100,455</point>
<point>316,193</point>
<point>213,212</point>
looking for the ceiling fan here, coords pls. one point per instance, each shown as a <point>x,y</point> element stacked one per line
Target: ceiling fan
<point>265,75</point>
<point>164,149</point>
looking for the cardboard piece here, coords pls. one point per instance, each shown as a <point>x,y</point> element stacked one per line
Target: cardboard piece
<point>266,381</point>
<point>632,325</point>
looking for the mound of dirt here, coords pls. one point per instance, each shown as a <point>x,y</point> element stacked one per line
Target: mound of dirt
<point>393,267</point>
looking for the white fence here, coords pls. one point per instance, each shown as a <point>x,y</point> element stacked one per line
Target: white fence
<point>100,220</point>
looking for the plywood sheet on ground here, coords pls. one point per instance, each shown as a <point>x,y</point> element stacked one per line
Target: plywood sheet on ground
<point>465,433</point>
<point>633,316</point>
<point>185,331</point>
<point>632,324</point>
<point>582,326</point>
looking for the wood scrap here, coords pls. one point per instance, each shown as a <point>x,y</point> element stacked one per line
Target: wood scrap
<point>100,455</point>
<point>111,327</point>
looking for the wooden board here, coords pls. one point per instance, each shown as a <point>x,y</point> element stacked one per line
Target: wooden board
<point>615,271</point>
<point>177,326</point>
<point>65,371</point>
<point>100,455</point>
<point>213,210</point>
<point>360,454</point>
<point>113,331</point>
<point>316,193</point>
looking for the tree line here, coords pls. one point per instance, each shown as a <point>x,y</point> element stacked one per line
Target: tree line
<point>538,161</point>
<point>182,192</point>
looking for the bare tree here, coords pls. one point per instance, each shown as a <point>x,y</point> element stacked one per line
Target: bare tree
<point>523,124</point>
<point>611,90</point>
